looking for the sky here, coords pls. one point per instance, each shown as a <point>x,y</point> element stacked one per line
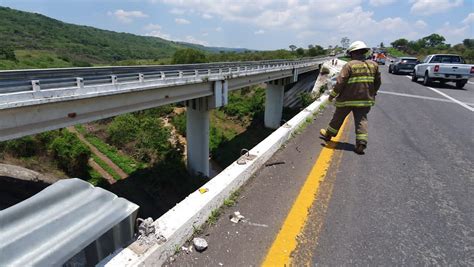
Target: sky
<point>267,24</point>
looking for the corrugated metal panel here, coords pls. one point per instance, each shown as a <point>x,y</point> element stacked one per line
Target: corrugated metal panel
<point>62,220</point>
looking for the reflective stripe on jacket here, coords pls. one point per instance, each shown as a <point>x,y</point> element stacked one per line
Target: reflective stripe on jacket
<point>357,84</point>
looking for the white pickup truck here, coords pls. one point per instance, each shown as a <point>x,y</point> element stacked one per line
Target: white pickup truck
<point>443,68</point>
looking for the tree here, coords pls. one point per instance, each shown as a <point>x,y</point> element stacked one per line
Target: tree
<point>381,45</point>
<point>468,43</point>
<point>189,56</point>
<point>400,43</point>
<point>310,46</point>
<point>293,48</point>
<point>300,51</point>
<point>345,42</point>
<point>434,40</point>
<point>8,53</point>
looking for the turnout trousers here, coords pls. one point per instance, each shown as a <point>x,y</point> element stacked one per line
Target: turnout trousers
<point>360,120</point>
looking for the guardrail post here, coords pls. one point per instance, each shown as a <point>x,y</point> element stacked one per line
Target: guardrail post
<point>180,74</point>
<point>209,72</point>
<point>141,77</point>
<point>220,71</point>
<point>113,78</point>
<point>35,84</point>
<point>79,82</point>
<point>196,73</point>
<point>230,70</point>
<point>163,76</point>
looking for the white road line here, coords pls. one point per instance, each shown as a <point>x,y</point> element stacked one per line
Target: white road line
<point>415,96</point>
<point>471,82</point>
<point>420,97</point>
<point>452,99</point>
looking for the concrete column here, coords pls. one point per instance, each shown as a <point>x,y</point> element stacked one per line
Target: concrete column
<point>197,137</point>
<point>274,104</point>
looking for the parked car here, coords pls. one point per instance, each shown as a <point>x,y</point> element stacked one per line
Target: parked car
<point>443,68</point>
<point>403,65</point>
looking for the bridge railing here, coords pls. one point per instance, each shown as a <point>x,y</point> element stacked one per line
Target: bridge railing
<point>19,87</point>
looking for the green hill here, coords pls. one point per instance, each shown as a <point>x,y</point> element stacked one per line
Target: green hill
<point>30,31</point>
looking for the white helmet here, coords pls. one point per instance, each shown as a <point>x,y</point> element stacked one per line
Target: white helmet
<point>357,45</point>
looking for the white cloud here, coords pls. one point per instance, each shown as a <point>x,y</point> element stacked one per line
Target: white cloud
<point>181,21</point>
<point>177,11</point>
<point>420,24</point>
<point>191,39</point>
<point>259,32</point>
<point>429,7</point>
<point>381,2</point>
<point>469,19</point>
<point>454,34</point>
<point>155,30</point>
<point>205,34</point>
<point>127,16</point>
<point>207,16</point>
<point>310,21</point>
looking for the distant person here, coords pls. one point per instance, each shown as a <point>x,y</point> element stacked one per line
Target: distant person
<point>355,90</point>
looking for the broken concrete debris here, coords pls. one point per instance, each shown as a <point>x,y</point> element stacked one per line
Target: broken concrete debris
<point>187,249</point>
<point>236,217</point>
<point>200,244</point>
<point>147,233</point>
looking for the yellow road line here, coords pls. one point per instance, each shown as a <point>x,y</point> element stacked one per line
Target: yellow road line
<point>285,242</point>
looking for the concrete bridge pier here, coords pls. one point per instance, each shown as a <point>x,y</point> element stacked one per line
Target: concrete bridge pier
<point>197,127</point>
<point>274,103</point>
<point>197,135</point>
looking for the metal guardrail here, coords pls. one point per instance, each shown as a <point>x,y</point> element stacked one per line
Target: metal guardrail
<point>16,81</point>
<point>66,218</point>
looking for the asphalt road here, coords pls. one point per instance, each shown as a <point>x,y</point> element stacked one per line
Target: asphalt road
<point>408,201</point>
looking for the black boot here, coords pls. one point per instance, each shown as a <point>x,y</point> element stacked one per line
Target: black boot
<point>360,147</point>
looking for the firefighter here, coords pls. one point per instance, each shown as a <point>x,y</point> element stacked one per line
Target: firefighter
<point>355,90</point>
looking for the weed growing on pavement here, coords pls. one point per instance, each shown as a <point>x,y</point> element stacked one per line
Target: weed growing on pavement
<point>214,216</point>
<point>197,230</point>
<point>229,202</point>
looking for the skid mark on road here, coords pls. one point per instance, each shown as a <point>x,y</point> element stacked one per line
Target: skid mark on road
<point>286,241</point>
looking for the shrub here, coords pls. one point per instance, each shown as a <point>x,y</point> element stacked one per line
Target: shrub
<point>179,122</point>
<point>21,147</point>
<point>123,129</point>
<point>152,139</point>
<point>71,154</point>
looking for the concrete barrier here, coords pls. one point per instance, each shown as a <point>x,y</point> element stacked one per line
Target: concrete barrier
<point>178,224</point>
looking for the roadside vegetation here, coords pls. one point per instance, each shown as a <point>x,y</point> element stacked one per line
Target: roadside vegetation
<point>432,44</point>
<point>144,144</point>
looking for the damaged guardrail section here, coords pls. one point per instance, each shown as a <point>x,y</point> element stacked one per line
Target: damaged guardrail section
<point>178,224</point>
<point>69,219</point>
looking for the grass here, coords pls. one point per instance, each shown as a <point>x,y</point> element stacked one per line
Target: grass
<point>95,178</point>
<point>106,167</point>
<point>214,216</point>
<point>27,59</point>
<point>395,52</point>
<point>127,164</point>
<point>230,201</point>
